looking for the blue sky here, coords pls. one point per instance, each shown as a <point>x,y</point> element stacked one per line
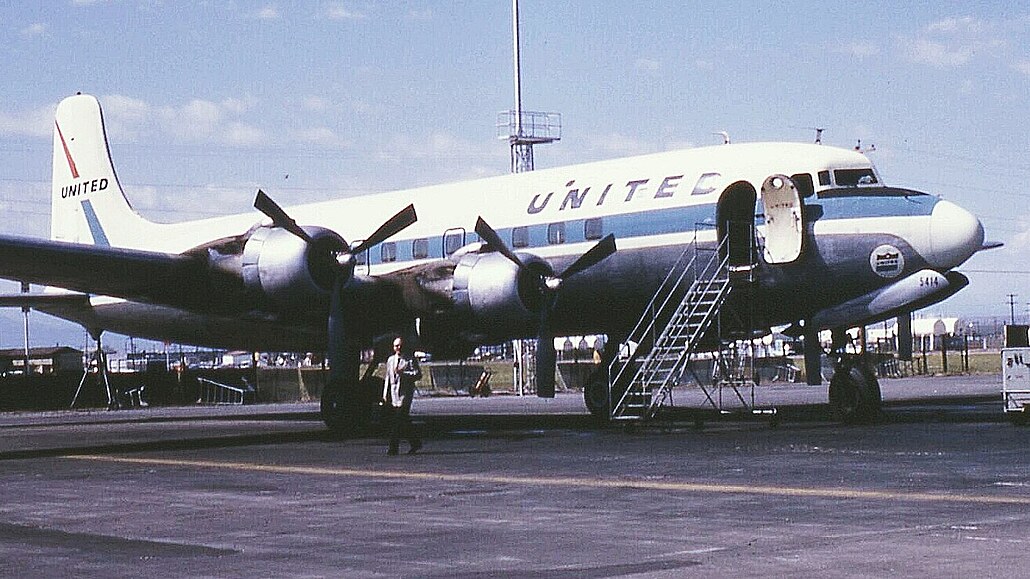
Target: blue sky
<point>206,101</point>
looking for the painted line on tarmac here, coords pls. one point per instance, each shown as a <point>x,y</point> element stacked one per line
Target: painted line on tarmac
<point>599,483</point>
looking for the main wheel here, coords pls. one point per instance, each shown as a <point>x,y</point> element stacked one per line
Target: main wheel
<point>595,395</point>
<point>855,393</point>
<point>350,412</point>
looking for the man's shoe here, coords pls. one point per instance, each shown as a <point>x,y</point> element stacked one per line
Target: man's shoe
<point>415,446</point>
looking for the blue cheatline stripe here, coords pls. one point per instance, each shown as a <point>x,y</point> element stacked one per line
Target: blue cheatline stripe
<point>99,237</point>
<point>681,219</point>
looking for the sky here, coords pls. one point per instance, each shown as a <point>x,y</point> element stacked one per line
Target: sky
<point>207,101</point>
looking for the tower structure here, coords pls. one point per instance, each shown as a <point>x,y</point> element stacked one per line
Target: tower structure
<point>523,129</point>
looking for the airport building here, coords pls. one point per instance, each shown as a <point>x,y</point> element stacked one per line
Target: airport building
<point>44,360</point>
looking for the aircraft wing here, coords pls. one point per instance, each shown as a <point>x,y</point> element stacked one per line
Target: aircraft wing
<point>171,279</point>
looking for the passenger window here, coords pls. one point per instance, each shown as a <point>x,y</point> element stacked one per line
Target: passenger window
<point>420,249</point>
<point>593,228</point>
<point>824,178</point>
<point>453,240</point>
<point>388,251</point>
<point>803,182</point>
<point>556,233</point>
<point>520,236</point>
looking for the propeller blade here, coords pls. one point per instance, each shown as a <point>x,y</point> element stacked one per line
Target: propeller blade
<point>490,236</point>
<point>546,357</point>
<point>595,255</point>
<point>393,226</point>
<point>264,204</point>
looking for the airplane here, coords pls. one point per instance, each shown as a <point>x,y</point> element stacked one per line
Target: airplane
<point>528,255</point>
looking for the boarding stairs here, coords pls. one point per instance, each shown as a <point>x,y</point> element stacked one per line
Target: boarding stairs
<point>669,333</point>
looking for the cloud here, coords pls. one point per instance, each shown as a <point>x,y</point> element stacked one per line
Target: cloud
<point>952,25</point>
<point>617,145</point>
<point>862,49</point>
<point>321,136</point>
<point>423,14</point>
<point>268,13</point>
<point>35,29</point>
<point>315,103</point>
<point>955,42</point>
<point>196,121</point>
<point>38,122</point>
<point>647,65</point>
<point>937,54</point>
<point>1023,66</point>
<point>338,11</point>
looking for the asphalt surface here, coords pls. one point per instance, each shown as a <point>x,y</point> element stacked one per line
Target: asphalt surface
<point>510,487</point>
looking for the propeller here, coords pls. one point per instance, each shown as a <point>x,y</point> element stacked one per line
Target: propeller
<point>391,227</point>
<point>549,285</point>
<point>343,350</point>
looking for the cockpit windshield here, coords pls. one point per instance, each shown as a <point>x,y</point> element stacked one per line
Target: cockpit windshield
<point>854,177</point>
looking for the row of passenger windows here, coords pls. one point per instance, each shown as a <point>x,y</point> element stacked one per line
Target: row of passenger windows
<point>454,239</point>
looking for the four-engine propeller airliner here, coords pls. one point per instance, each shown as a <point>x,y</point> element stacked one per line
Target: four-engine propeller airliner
<point>515,256</point>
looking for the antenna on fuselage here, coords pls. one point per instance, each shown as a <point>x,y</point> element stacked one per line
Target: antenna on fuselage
<point>523,129</point>
<point>818,133</point>
<point>725,136</point>
<point>865,150</point>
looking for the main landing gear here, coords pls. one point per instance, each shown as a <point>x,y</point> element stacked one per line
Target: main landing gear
<point>350,400</point>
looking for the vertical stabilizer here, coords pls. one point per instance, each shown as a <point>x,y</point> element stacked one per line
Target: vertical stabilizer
<point>87,202</point>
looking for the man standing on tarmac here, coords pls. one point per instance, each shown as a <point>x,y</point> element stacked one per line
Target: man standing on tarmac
<point>398,388</point>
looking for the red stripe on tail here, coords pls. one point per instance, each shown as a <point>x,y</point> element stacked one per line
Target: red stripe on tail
<point>67,153</point>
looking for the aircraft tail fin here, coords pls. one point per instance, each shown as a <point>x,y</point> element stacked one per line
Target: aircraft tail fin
<point>87,202</point>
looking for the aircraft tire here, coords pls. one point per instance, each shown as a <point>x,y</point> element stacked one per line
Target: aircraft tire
<point>595,395</point>
<point>855,393</point>
<point>349,418</point>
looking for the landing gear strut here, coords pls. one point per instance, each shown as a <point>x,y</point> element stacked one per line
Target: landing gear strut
<point>348,402</point>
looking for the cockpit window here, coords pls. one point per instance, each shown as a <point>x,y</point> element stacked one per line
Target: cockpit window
<point>854,177</point>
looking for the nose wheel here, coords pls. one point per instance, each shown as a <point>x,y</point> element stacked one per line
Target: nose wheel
<point>854,391</point>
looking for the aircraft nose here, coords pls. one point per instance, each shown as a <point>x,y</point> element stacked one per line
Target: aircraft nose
<point>955,235</point>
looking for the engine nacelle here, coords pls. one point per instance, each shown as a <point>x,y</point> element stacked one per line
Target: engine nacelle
<point>497,299</point>
<point>289,274</point>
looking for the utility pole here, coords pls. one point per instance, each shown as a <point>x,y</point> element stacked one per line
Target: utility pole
<point>1012,309</point>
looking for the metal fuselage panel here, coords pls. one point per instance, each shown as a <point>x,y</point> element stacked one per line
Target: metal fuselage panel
<point>653,204</point>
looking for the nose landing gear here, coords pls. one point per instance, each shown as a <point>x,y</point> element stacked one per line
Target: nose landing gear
<point>854,390</point>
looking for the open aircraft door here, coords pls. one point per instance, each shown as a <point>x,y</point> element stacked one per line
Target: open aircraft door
<point>784,222</point>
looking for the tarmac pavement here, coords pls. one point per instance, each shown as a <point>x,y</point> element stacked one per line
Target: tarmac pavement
<point>520,487</point>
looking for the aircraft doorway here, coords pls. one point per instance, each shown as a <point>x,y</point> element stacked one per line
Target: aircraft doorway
<point>735,217</point>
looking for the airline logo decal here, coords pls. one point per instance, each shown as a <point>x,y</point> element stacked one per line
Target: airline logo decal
<point>90,186</point>
<point>887,261</point>
<point>575,196</point>
<point>67,153</point>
